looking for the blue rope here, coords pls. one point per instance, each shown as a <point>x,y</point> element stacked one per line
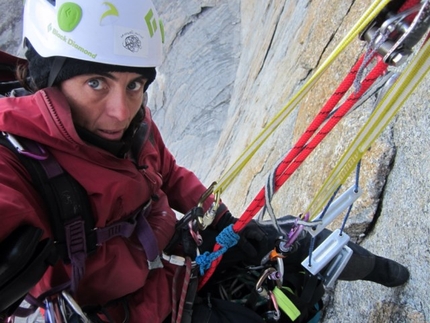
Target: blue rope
<point>312,244</point>
<point>311,250</point>
<point>226,238</point>
<point>329,203</point>
<point>356,186</point>
<point>357,176</point>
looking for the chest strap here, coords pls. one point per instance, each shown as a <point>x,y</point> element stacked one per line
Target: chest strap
<point>144,233</point>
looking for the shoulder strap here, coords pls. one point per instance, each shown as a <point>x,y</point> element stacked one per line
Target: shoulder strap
<point>67,201</point>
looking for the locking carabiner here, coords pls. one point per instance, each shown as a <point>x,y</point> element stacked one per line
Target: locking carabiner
<point>210,214</point>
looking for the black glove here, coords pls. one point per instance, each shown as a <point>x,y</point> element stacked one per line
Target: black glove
<point>253,240</point>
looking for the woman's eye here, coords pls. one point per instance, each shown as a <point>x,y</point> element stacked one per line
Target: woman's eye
<point>135,86</point>
<point>95,84</point>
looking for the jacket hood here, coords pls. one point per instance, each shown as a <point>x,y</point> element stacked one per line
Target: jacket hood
<point>42,117</point>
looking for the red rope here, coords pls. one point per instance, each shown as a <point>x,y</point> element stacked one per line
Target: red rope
<point>302,148</point>
<point>377,71</point>
<point>178,310</point>
<point>301,144</point>
<point>408,5</point>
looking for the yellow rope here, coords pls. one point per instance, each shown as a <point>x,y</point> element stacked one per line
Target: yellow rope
<point>244,158</point>
<point>384,112</point>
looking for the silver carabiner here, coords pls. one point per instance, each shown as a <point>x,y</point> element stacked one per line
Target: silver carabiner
<point>40,155</point>
<point>210,214</point>
<point>75,307</point>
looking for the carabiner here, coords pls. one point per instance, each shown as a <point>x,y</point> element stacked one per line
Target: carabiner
<point>40,155</point>
<point>75,307</point>
<point>206,194</point>
<point>210,214</point>
<point>294,233</point>
<point>270,273</point>
<point>195,234</point>
<point>277,312</point>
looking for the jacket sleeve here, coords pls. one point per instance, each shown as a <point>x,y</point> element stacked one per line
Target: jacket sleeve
<point>181,185</point>
<point>19,202</point>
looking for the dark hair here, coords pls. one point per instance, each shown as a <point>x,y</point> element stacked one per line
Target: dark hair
<point>22,75</point>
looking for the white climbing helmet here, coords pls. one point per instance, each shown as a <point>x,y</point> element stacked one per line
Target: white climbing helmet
<point>115,32</point>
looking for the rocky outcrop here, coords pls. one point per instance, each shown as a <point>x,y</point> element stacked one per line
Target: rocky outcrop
<point>10,26</point>
<point>230,67</point>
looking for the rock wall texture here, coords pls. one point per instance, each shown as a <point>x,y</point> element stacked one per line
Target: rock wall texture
<point>230,67</point>
<point>253,56</point>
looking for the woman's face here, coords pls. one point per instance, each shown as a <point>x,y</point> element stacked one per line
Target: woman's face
<point>104,103</point>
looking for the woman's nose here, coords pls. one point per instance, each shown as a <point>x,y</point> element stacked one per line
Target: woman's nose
<point>118,106</point>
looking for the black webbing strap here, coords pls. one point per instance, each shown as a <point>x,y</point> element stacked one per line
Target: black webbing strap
<point>7,87</point>
<point>306,291</point>
<point>55,69</point>
<point>65,198</point>
<point>190,296</point>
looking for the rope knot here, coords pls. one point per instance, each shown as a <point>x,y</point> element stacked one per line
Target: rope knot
<point>226,238</point>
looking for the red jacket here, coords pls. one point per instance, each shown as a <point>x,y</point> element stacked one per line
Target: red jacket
<point>115,188</point>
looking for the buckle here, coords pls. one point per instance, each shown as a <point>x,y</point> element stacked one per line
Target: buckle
<point>154,264</point>
<point>173,259</point>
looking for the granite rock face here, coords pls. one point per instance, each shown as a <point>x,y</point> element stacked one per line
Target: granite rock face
<point>230,67</point>
<point>10,26</point>
<point>271,49</point>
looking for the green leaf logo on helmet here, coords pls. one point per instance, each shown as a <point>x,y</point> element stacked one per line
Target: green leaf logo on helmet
<point>69,15</point>
<point>112,11</point>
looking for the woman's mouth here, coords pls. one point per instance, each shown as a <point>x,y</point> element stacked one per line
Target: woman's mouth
<point>111,134</point>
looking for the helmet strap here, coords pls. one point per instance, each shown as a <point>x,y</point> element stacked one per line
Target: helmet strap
<point>57,64</point>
